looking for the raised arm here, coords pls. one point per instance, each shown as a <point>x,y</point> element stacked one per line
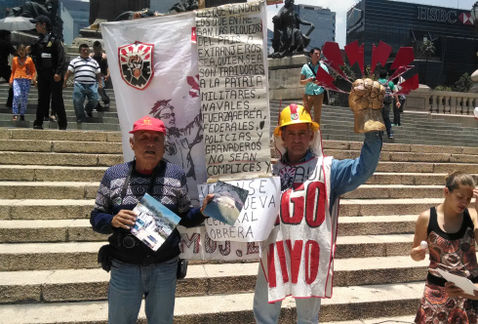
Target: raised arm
<point>418,252</point>
<point>348,174</point>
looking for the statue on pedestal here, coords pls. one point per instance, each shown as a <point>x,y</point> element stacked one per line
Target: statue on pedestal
<point>47,8</point>
<point>288,38</point>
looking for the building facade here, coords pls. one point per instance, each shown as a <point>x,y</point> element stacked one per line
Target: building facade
<point>323,20</point>
<point>7,4</point>
<point>450,31</point>
<point>75,15</point>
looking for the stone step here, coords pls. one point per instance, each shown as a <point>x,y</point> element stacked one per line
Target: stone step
<point>348,303</point>
<point>409,156</point>
<point>387,173</point>
<point>73,255</point>
<point>45,209</point>
<point>64,159</point>
<point>87,190</point>
<point>407,319</point>
<point>50,173</point>
<point>70,230</point>
<point>443,168</point>
<point>330,147</point>
<point>48,190</point>
<point>95,126</point>
<point>60,146</point>
<point>46,286</point>
<point>384,207</point>
<point>46,158</point>
<point>380,191</point>
<point>57,135</point>
<point>58,230</point>
<point>25,209</point>
<point>416,179</point>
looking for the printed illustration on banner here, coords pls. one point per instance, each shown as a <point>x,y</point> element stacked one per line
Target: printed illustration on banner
<point>136,64</point>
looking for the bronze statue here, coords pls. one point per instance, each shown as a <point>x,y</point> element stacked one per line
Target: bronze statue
<point>184,5</point>
<point>47,8</point>
<point>288,39</point>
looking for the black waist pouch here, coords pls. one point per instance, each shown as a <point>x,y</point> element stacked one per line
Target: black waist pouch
<point>182,268</point>
<point>105,257</point>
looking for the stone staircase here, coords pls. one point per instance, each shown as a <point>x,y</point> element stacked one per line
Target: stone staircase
<point>48,182</point>
<point>107,120</point>
<point>48,268</point>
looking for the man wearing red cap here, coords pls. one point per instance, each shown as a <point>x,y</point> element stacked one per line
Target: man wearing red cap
<point>136,270</point>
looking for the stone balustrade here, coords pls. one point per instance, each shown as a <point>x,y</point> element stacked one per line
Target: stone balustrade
<point>442,102</point>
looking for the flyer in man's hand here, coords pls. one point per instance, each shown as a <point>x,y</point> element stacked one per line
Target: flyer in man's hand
<point>227,202</point>
<point>154,222</point>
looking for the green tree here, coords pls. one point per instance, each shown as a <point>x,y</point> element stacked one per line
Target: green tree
<point>464,83</point>
<point>426,49</point>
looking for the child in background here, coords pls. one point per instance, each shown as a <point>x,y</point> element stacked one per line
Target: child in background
<point>23,72</point>
<point>450,231</point>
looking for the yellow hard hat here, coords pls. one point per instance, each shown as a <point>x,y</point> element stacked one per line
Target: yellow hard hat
<point>294,114</point>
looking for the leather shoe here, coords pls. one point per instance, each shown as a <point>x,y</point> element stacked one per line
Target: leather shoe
<point>37,127</point>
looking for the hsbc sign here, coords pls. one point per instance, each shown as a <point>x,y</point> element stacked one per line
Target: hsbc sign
<point>443,15</point>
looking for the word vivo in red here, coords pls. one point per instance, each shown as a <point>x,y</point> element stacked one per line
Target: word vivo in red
<point>296,249</point>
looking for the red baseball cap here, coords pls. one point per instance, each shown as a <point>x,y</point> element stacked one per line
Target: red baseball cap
<point>148,123</point>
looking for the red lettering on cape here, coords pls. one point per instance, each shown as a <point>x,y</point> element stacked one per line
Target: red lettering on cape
<point>271,268</point>
<point>282,261</point>
<point>312,252</point>
<point>315,212</point>
<point>295,258</point>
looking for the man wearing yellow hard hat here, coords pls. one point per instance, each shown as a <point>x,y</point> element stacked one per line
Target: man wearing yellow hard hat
<point>298,256</point>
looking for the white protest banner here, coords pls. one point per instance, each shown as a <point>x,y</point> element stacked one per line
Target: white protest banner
<point>197,245</point>
<point>153,66</point>
<point>232,60</point>
<point>257,216</point>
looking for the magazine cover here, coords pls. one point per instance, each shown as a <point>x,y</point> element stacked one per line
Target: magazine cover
<point>154,222</point>
<point>227,202</point>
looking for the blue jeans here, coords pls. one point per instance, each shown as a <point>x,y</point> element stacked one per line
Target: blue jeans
<point>386,119</point>
<point>307,309</point>
<point>128,284</point>
<point>81,91</point>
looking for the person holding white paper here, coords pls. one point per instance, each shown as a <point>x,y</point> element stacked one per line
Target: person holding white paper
<point>137,270</point>
<point>450,231</point>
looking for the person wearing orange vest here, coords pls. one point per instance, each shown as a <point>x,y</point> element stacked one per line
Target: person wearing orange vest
<point>297,258</point>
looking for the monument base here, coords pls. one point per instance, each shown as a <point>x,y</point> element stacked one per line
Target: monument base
<point>284,77</point>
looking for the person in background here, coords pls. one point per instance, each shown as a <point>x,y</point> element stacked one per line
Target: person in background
<point>398,109</point>
<point>137,270</point>
<point>387,101</point>
<point>449,231</point>
<point>314,94</point>
<point>86,73</point>
<point>48,55</point>
<point>23,72</point>
<point>6,49</point>
<point>100,57</point>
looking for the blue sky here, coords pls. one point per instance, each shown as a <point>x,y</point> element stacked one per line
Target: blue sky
<point>342,6</point>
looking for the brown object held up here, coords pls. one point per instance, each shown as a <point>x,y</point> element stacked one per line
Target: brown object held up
<point>366,101</point>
